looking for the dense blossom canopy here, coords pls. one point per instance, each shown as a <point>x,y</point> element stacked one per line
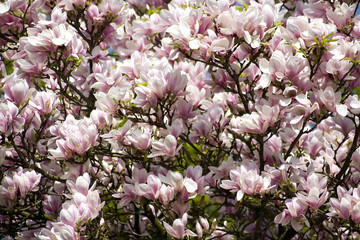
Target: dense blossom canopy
<point>182,119</point>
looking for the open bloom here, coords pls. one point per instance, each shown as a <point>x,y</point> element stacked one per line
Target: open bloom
<point>177,230</point>
<point>179,183</point>
<point>256,122</point>
<point>167,147</point>
<point>246,179</point>
<point>295,213</point>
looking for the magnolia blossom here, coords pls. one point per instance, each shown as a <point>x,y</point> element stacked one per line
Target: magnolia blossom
<point>246,180</point>
<point>256,122</point>
<point>16,90</point>
<point>341,15</point>
<point>152,188</point>
<point>179,183</point>
<point>168,147</point>
<point>140,139</point>
<point>9,118</point>
<point>44,102</point>
<point>177,230</point>
<point>211,119</point>
<point>314,187</point>
<point>331,101</point>
<point>4,7</point>
<point>293,214</point>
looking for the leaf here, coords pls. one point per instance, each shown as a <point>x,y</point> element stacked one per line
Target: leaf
<point>42,84</point>
<point>357,91</point>
<point>142,84</point>
<point>317,41</point>
<point>122,123</point>
<point>329,35</point>
<point>9,66</point>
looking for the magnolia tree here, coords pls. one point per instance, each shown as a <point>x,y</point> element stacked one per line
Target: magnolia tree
<point>183,119</point>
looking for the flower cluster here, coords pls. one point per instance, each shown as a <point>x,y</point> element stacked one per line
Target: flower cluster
<point>197,119</point>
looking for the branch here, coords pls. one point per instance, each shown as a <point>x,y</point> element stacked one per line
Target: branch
<point>347,160</point>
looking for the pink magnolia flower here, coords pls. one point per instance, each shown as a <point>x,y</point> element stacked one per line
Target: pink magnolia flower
<point>153,25</point>
<point>101,118</point>
<point>93,203</point>
<point>80,186</point>
<point>57,17</point>
<point>81,143</point>
<point>27,182</point>
<point>177,230</point>
<point>73,137</point>
<point>58,231</point>
<point>167,147</point>
<point>151,189</point>
<point>16,90</point>
<point>4,7</point>
<point>106,102</point>
<point>331,100</point>
<point>44,102</point>
<point>86,200</point>
<point>221,45</point>
<point>52,204</point>
<point>294,213</point>
<point>341,15</point>
<point>176,128</point>
<point>296,25</point>
<point>93,13</point>
<point>314,199</point>
<point>246,179</point>
<point>61,35</point>
<point>9,118</point>
<point>166,194</point>
<point>355,215</point>
<point>195,173</point>
<point>116,136</point>
<point>231,21</point>
<point>146,96</point>
<point>70,215</point>
<point>141,139</point>
<point>342,207</point>
<point>183,33</point>
<point>202,128</point>
<point>138,63</point>
<point>256,122</point>
<point>338,67</point>
<point>8,191</point>
<point>203,224</point>
<point>176,82</point>
<point>353,104</point>
<point>224,169</point>
<point>177,181</point>
<point>276,65</point>
<point>184,109</point>
<point>129,194</point>
<point>69,5</point>
<point>301,109</point>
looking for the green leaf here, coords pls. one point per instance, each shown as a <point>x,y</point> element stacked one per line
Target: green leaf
<point>9,66</point>
<point>152,11</point>
<point>42,84</point>
<point>317,41</point>
<point>192,151</point>
<point>357,91</point>
<point>329,35</point>
<point>332,40</point>
<point>122,123</point>
<point>142,84</point>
